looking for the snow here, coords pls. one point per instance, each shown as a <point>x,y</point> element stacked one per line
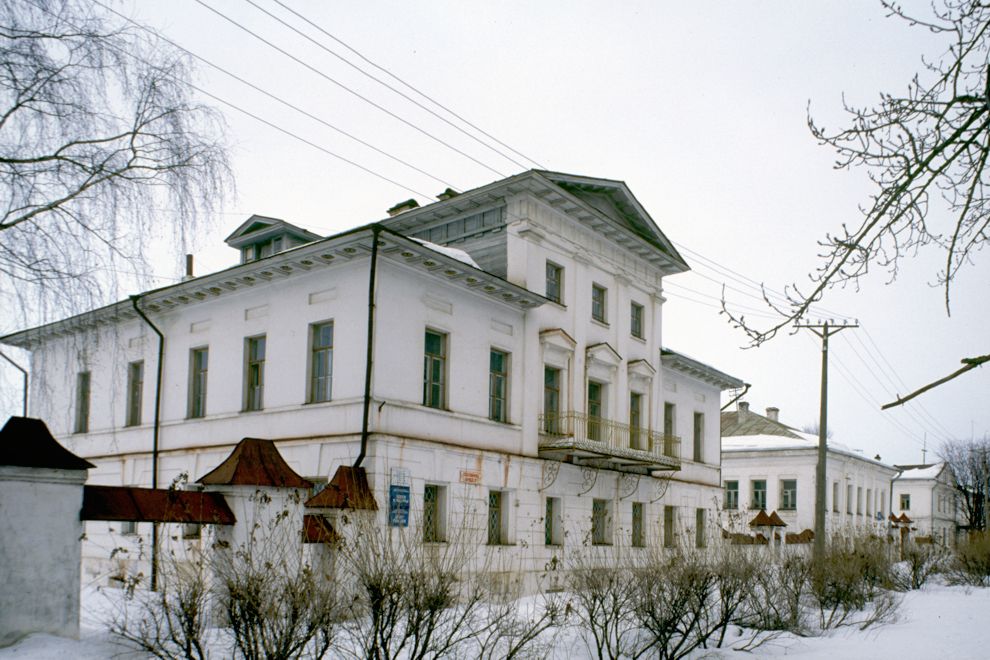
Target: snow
<point>767,442</point>
<point>936,621</point>
<point>453,253</point>
<point>930,472</point>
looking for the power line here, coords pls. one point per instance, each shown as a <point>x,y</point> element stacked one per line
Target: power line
<point>346,88</point>
<point>276,98</point>
<point>376,79</point>
<point>415,89</point>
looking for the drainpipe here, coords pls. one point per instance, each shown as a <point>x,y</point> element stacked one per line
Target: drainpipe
<point>25,374</point>
<point>739,396</point>
<point>154,434</point>
<point>375,230</point>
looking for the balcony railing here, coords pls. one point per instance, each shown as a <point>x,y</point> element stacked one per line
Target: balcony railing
<point>610,437</point>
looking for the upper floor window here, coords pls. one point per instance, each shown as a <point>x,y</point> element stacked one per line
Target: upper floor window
<point>668,419</point>
<point>905,502</point>
<point>595,410</point>
<point>758,494</point>
<point>321,362</point>
<point>498,378</point>
<point>199,360</point>
<point>636,320</point>
<point>699,435</point>
<point>635,419</point>
<point>598,303</point>
<point>135,389</point>
<point>82,402</point>
<point>788,494</point>
<point>434,370</point>
<point>254,374</point>
<point>731,498</point>
<point>551,399</point>
<point>555,282</point>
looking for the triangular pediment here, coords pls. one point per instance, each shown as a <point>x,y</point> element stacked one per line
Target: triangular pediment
<point>615,201</point>
<point>260,227</point>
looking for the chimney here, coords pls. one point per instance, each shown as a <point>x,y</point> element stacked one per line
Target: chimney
<point>449,193</point>
<point>773,414</point>
<point>402,207</point>
<point>743,406</point>
<point>189,268</point>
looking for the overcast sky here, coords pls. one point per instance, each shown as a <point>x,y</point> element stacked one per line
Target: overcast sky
<point>700,107</point>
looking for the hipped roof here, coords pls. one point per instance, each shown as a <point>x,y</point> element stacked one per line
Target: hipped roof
<point>27,442</point>
<point>347,490</point>
<point>255,462</point>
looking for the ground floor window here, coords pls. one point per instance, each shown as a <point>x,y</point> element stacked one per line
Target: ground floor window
<point>552,523</point>
<point>600,522</point>
<point>638,538</point>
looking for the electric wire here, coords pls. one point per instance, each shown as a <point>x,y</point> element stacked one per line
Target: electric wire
<point>408,85</point>
<point>380,81</point>
<point>346,88</point>
<point>276,98</point>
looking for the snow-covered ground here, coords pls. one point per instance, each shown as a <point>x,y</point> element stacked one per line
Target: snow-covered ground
<point>935,622</point>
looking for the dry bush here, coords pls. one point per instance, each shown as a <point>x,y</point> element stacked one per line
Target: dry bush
<point>849,584</point>
<point>970,564</point>
<point>920,563</point>
<point>605,600</point>
<point>776,596</point>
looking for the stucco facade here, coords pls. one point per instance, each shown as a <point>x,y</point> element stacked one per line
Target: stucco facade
<point>771,466</point>
<point>926,495</point>
<point>527,364</point>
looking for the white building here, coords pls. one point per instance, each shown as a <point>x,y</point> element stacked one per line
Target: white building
<point>517,371</point>
<point>927,495</point>
<point>771,466</point>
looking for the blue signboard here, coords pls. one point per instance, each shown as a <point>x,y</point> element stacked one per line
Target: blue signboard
<point>398,506</point>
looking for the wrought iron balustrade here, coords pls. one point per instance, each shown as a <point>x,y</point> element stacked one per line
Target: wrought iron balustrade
<point>610,434</point>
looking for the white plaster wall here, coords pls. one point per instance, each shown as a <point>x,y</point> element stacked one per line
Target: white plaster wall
<point>775,466</point>
<point>39,551</point>
<point>927,516</point>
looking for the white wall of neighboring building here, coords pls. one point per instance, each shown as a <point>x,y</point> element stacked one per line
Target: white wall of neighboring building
<point>39,551</point>
<point>933,506</point>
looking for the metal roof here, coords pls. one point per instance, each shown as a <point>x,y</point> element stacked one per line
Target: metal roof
<point>154,505</point>
<point>255,462</point>
<point>696,369</point>
<point>27,442</point>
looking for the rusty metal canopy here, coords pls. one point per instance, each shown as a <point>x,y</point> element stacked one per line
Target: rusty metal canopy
<point>154,505</point>
<point>27,442</point>
<point>761,520</point>
<point>347,490</point>
<point>317,529</point>
<point>255,462</point>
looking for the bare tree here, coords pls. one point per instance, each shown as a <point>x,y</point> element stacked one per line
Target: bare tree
<point>99,135</point>
<point>969,462</point>
<point>926,149</point>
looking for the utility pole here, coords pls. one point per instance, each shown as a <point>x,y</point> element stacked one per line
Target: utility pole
<point>823,330</point>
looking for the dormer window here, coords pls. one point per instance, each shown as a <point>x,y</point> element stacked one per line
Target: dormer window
<point>261,237</point>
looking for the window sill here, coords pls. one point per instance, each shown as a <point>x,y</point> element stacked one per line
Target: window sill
<point>603,324</point>
<point>642,340</point>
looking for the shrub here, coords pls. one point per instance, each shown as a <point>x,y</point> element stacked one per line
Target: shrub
<point>971,562</point>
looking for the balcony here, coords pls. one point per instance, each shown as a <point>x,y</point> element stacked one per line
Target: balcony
<point>586,440</point>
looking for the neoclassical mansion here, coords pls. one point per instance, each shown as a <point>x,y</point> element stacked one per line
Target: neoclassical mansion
<point>498,351</point>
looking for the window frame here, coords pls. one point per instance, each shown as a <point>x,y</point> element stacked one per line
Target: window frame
<point>701,528</point>
<point>756,502</point>
<point>637,317</point>
<point>637,526</point>
<point>730,496</point>
<point>698,429</point>
<point>551,400</point>
<point>84,396</point>
<point>599,303</point>
<point>498,386</point>
<point>788,496</point>
<point>553,522</point>
<point>434,513</point>
<point>905,499</point>
<point>320,388</point>
<point>429,361</point>
<point>635,419</point>
<point>198,381</point>
<point>554,279</point>
<point>254,372</point>
<point>498,517</point>
<point>601,521</point>
<point>135,393</point>
<point>595,405</point>
<point>669,526</point>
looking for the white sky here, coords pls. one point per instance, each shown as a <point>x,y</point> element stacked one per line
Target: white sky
<point>700,107</point>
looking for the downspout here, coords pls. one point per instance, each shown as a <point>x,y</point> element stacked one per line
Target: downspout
<point>156,427</point>
<point>737,397</point>
<point>369,362</point>
<point>25,374</point>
